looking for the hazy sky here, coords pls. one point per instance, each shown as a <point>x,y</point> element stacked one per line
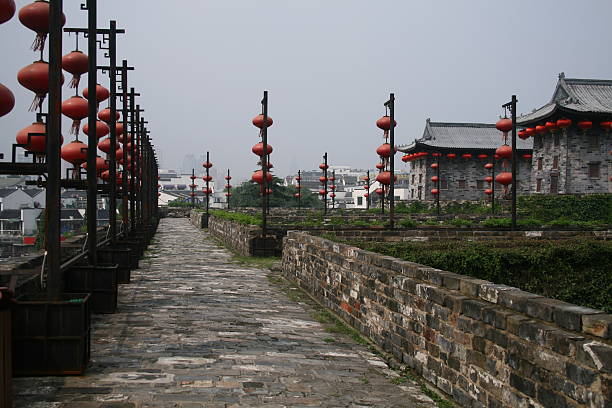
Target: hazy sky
<point>329,65</point>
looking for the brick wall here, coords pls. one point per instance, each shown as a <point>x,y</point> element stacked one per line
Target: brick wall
<point>484,344</point>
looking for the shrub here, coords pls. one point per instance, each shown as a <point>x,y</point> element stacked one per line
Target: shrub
<point>497,223</point>
<point>407,223</point>
<point>237,217</point>
<point>592,207</point>
<point>459,222</point>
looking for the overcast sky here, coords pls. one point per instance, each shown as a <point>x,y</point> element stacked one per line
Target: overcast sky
<point>329,65</point>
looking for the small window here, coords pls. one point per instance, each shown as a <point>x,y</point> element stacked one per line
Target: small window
<point>554,184</point>
<point>420,192</point>
<point>413,179</point>
<point>359,200</point>
<point>555,165</point>
<point>538,185</point>
<point>479,184</point>
<point>540,161</point>
<point>594,170</point>
<point>412,193</point>
<point>462,183</point>
<point>594,141</point>
<point>556,140</point>
<point>420,178</point>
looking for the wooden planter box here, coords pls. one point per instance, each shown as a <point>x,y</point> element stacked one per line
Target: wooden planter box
<point>122,258</point>
<point>100,281</point>
<point>51,337</point>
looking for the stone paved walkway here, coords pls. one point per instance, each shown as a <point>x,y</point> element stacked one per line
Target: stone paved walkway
<point>195,330</point>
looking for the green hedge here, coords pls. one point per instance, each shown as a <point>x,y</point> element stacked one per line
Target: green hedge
<point>578,272</point>
<point>592,207</point>
<point>241,218</point>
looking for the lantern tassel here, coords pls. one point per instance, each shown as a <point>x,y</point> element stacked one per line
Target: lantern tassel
<point>74,83</point>
<point>76,125</point>
<point>39,42</point>
<point>37,102</point>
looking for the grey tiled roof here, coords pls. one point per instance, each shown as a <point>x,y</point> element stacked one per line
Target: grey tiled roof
<point>574,95</point>
<point>33,191</point>
<point>461,136</point>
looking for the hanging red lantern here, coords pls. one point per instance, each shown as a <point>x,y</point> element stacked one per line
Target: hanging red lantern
<point>379,191</point>
<point>74,153</point>
<point>488,191</point>
<point>435,179</point>
<point>35,77</point>
<point>322,179</point>
<point>366,195</point>
<point>105,145</point>
<point>7,100</point>
<point>102,93</point>
<point>385,178</point>
<point>366,179</point>
<point>193,186</point>
<point>7,10</point>
<point>551,127</point>
<point>605,126</point>
<point>467,156</point>
<point>564,123</point>
<point>228,178</point>
<point>332,195</point>
<point>434,165</point>
<point>298,187</point>
<point>504,125</point>
<point>77,64</point>
<point>101,165</point>
<point>105,175</point>
<point>124,138</point>
<point>504,178</point>
<point>298,178</point>
<point>540,130</point>
<point>435,191</point>
<point>366,187</point>
<point>504,152</point>
<point>527,156</point>
<point>119,155</point>
<point>323,166</point>
<point>488,179</point>
<point>257,177</point>
<point>118,128</point>
<point>192,177</point>
<point>207,178</point>
<point>297,195</point>
<point>31,141</point>
<point>332,178</point>
<point>258,149</point>
<point>228,186</point>
<point>105,115</point>
<point>530,131</point>
<point>451,155</point>
<point>436,154</point>
<point>207,165</point>
<point>258,121</point>
<point>384,150</point>
<point>380,166</point>
<point>76,108</point>
<point>523,134</point>
<point>384,123</point>
<point>482,156</point>
<point>584,125</point>
<point>332,187</point>
<point>322,192</point>
<point>488,166</point>
<point>102,129</point>
<point>228,194</point>
<point>35,16</point>
<point>192,194</point>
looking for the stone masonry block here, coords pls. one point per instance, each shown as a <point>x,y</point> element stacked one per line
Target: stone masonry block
<point>599,325</point>
<point>515,299</point>
<point>570,316</point>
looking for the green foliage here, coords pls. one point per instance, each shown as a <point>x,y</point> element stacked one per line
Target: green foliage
<point>415,207</point>
<point>248,195</point>
<point>575,271</point>
<point>407,223</point>
<point>459,222</point>
<point>181,204</point>
<point>592,207</point>
<point>337,221</point>
<point>237,217</point>
<point>497,223</point>
<point>468,208</point>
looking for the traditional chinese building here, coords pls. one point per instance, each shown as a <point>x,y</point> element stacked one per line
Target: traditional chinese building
<point>571,138</point>
<point>463,149</point>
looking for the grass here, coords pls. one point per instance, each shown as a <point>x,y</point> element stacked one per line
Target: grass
<point>257,262</point>
<point>440,402</point>
<point>329,339</point>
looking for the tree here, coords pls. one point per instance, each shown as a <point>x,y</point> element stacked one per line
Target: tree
<point>248,195</point>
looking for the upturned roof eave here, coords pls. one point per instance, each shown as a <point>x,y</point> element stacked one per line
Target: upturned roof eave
<point>419,145</point>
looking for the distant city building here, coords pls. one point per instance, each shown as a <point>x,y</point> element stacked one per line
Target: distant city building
<point>575,159</point>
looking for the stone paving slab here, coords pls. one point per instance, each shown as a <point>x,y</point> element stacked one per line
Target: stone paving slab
<point>195,330</point>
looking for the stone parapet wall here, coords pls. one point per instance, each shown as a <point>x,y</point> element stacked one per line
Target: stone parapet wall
<point>486,345</point>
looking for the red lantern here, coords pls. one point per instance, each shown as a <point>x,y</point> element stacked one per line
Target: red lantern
<point>228,178</point>
<point>323,166</point>
<point>105,115</point>
<point>379,191</point>
<point>523,134</point>
<point>207,191</point>
<point>436,154</point>
<point>384,150</point>
<point>564,123</point>
<point>124,139</point>
<point>105,145</point>
<point>207,165</point>
<point>504,178</point>
<point>7,10</point>
<point>366,195</point>
<point>119,155</point>
<point>35,16</point>
<point>102,129</point>
<point>101,165</point>
<point>77,64</point>
<point>34,143</point>
<point>258,149</point>
<point>384,123</point>
<point>482,156</point>
<point>194,186</point>
<point>434,165</point>
<point>298,178</point>
<point>118,128</point>
<point>551,127</point>
<point>605,126</point>
<point>192,194</point>
<point>504,125</point>
<point>297,195</point>
<point>504,152</point>
<point>322,179</point>
<point>228,186</point>
<point>332,187</point>
<point>74,153</point>
<point>298,187</point>
<point>530,131</point>
<point>76,108</point>
<point>467,156</point>
<point>35,77</point>
<point>380,166</point>
<point>259,121</point>
<point>7,100</point>
<point>435,191</point>
<point>102,93</point>
<point>228,194</point>
<point>488,191</point>
<point>366,179</point>
<point>488,166</point>
<point>540,129</point>
<point>332,195</point>
<point>366,187</point>
<point>585,125</point>
<point>451,155</point>
<point>385,178</point>
<point>322,192</point>
<point>488,179</point>
<point>258,177</point>
<point>527,156</point>
<point>207,178</point>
